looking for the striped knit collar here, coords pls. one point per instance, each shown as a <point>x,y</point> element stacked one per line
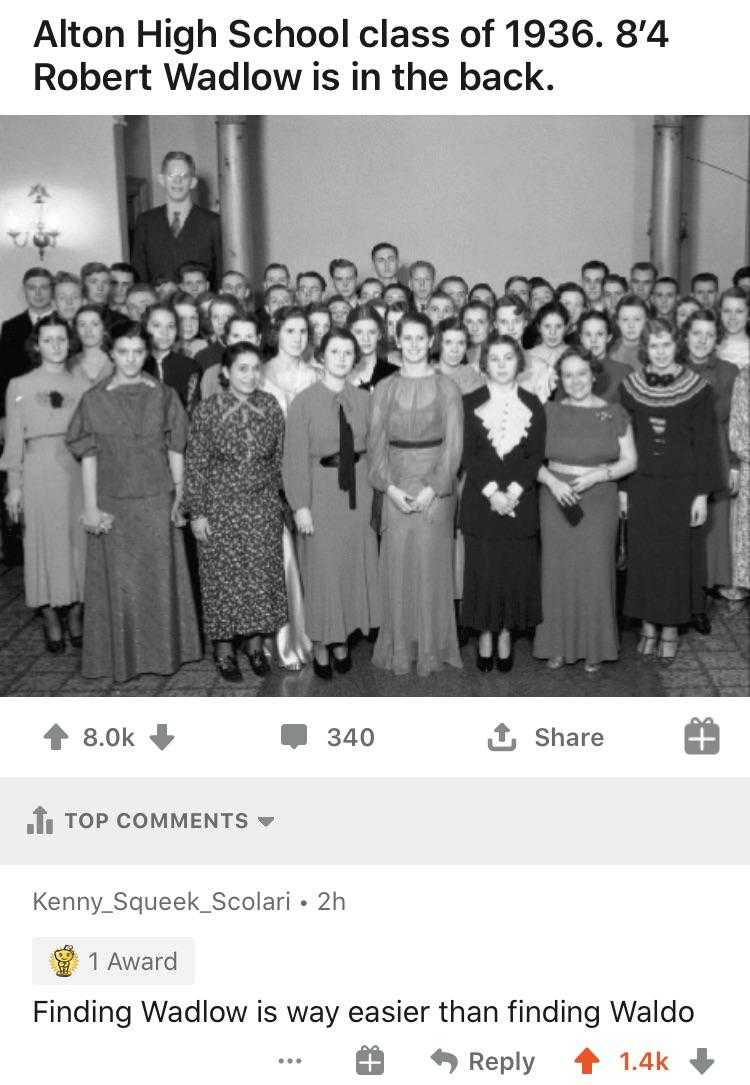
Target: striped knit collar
<point>686,384</point>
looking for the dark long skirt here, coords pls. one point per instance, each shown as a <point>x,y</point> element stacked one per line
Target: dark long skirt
<point>663,559</point>
<point>718,542</point>
<point>140,616</point>
<point>578,578</point>
<point>501,584</point>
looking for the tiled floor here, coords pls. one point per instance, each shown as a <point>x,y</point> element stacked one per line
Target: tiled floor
<point>718,665</point>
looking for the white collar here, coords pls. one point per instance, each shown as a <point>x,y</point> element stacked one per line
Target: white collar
<point>505,417</point>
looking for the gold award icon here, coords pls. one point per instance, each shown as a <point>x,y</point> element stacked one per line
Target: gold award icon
<point>64,961</point>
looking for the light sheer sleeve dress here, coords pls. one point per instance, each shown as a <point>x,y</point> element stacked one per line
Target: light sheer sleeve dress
<point>416,436</point>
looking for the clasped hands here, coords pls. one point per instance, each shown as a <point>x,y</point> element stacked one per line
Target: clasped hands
<point>405,503</point>
<point>503,504</point>
<point>97,522</point>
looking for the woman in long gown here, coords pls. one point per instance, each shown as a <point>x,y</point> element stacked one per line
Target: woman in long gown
<point>671,409</point>
<point>415,450</point>
<point>739,442</point>
<point>130,433</point>
<point>589,447</point>
<point>325,481</point>
<point>451,345</point>
<point>697,351</point>
<point>504,428</point>
<point>285,375</point>
<point>232,495</point>
<point>44,482</point>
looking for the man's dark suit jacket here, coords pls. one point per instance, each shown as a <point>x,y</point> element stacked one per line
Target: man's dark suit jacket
<point>157,252</point>
<point>14,361</point>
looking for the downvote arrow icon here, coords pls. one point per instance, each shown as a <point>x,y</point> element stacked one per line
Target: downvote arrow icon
<point>701,1062</point>
<point>161,738</point>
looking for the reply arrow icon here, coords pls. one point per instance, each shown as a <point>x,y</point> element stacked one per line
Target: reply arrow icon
<point>440,1056</point>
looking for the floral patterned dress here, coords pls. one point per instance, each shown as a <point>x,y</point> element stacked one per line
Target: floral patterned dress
<point>233,478</point>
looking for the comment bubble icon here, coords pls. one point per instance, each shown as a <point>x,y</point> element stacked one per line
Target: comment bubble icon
<point>294,734</point>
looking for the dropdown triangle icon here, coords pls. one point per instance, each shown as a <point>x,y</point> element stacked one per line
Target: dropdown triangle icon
<point>265,821</point>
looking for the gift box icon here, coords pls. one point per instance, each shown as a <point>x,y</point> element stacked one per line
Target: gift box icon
<point>702,737</point>
<point>370,1062</point>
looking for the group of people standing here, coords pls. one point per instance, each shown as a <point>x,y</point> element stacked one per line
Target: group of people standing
<point>405,466</point>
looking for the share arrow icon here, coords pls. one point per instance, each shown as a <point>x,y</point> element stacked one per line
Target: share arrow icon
<point>439,1057</point>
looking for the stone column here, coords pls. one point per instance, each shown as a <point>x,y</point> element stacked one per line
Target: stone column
<point>118,133</point>
<point>666,195</point>
<point>233,146</point>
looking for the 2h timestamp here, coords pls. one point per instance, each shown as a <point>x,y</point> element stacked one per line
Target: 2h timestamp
<point>559,33</point>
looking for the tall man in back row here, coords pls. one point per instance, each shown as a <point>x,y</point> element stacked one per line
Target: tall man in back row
<point>178,231</point>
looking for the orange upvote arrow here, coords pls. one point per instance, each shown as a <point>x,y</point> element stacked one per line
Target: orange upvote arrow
<point>587,1058</point>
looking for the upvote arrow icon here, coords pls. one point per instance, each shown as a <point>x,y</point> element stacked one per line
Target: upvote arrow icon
<point>587,1059</point>
<point>55,736</point>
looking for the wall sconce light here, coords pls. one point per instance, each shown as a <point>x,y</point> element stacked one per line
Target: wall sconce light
<point>41,236</point>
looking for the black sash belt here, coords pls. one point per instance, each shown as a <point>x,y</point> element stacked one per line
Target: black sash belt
<point>417,444</point>
<point>335,459</point>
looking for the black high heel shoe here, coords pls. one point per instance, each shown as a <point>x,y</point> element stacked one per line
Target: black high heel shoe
<point>76,639</point>
<point>257,658</point>
<point>342,666</point>
<point>322,670</point>
<point>506,664</point>
<point>484,663</point>
<point>55,645</point>
<point>228,668</point>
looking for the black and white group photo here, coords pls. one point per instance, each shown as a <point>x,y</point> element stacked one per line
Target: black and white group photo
<point>375,406</point>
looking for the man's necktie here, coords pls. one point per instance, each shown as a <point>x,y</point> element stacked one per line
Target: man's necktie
<point>176,224</point>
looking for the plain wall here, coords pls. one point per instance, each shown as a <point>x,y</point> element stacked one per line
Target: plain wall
<point>717,196</point>
<point>75,158</point>
<point>483,197</point>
